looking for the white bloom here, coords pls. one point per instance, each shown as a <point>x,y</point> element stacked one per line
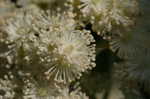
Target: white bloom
<point>134,68</point>
<point>139,67</point>
<point>19,25</point>
<point>70,50</point>
<point>107,15</point>
<point>61,49</point>
<point>127,44</point>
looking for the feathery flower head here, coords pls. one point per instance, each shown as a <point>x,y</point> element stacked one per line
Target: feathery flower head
<point>139,67</point>
<point>127,44</point>
<point>61,49</point>
<point>108,15</point>
<point>19,25</point>
<point>135,68</point>
<point>71,51</point>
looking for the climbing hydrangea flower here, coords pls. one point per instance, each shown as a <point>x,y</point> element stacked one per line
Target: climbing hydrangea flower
<point>63,51</point>
<point>107,15</point>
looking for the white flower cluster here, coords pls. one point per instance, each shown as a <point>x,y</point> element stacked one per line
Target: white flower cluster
<point>127,44</point>
<point>46,45</point>
<point>108,15</point>
<point>64,51</point>
<point>138,67</point>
